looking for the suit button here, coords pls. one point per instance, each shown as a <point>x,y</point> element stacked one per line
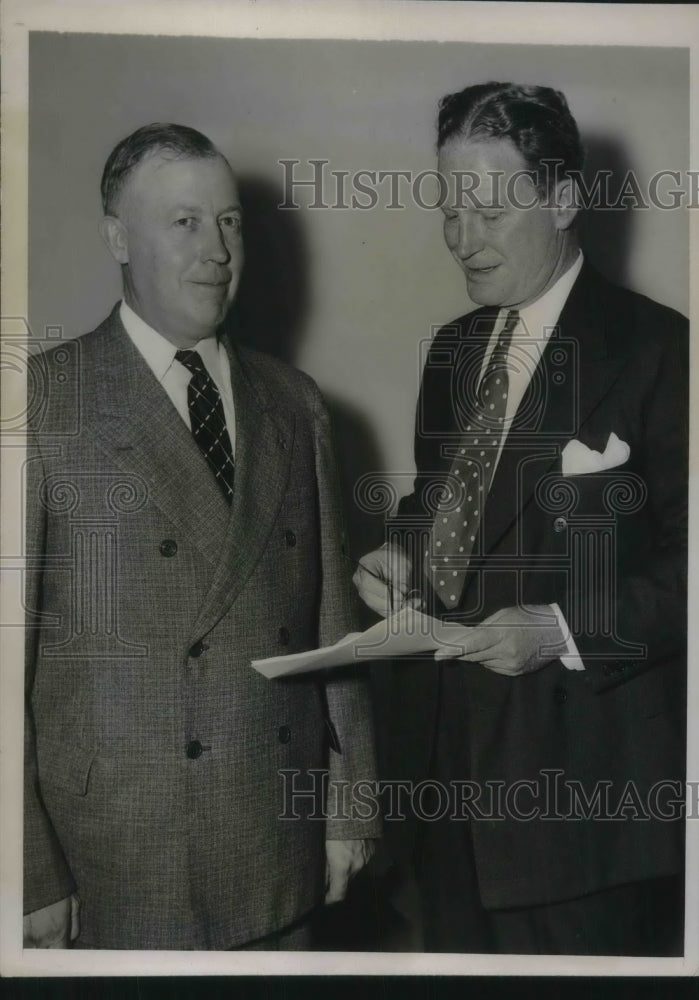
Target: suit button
<point>284,636</point>
<point>560,696</point>
<point>560,524</point>
<point>612,669</point>
<point>168,547</point>
<point>194,749</point>
<point>284,734</point>
<point>290,539</point>
<point>197,649</point>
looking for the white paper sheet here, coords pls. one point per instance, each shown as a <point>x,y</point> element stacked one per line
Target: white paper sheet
<point>401,634</point>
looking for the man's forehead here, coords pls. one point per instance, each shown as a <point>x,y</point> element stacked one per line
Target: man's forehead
<point>484,173</point>
<point>488,157</point>
<point>163,173</point>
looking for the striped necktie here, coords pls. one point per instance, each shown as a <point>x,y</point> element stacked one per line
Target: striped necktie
<point>208,421</point>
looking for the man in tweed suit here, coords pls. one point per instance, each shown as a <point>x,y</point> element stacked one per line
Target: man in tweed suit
<point>182,519</point>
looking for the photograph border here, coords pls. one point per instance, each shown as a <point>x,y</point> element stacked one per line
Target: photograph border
<point>515,23</point>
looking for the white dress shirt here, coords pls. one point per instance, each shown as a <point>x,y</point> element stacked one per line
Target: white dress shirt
<point>159,355</point>
<point>529,339</point>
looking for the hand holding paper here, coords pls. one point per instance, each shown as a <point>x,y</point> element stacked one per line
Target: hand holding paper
<point>402,634</point>
<point>513,641</point>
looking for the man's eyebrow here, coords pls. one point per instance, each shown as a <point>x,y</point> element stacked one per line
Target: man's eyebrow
<point>194,209</point>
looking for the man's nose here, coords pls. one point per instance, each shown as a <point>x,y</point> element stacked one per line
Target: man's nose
<point>469,238</point>
<point>214,245</point>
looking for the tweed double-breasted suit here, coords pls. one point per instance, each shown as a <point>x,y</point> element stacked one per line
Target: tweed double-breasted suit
<point>153,749</point>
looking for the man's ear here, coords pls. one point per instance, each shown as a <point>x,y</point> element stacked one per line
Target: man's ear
<point>565,205</point>
<point>113,232</point>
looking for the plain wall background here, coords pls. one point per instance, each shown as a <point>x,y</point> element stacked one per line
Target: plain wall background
<point>348,296</point>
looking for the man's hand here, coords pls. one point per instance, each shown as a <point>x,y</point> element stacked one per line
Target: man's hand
<point>513,641</point>
<point>53,926</point>
<point>382,579</point>
<point>344,858</point>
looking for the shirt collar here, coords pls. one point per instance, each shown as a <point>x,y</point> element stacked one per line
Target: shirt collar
<point>545,311</point>
<point>209,351</point>
<point>157,350</point>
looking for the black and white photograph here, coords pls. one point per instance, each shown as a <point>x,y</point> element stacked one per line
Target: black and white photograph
<point>346,494</point>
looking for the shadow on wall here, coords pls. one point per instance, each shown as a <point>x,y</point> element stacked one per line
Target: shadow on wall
<point>606,235</point>
<point>357,453</point>
<point>271,305</point>
<point>270,314</point>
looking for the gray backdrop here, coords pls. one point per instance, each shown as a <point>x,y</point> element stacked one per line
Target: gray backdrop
<point>346,295</point>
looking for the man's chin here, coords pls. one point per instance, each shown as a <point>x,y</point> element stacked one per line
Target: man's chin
<point>210,314</point>
<point>484,288</point>
<point>483,296</point>
<point>198,327</point>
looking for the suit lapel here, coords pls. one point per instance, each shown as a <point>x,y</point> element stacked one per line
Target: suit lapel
<point>445,405</point>
<point>139,428</point>
<point>142,432</point>
<point>264,445</point>
<point>572,378</point>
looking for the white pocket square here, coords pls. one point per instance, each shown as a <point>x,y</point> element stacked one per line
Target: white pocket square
<point>577,458</point>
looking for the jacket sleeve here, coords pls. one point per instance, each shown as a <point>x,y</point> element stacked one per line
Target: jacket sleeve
<point>346,691</point>
<point>47,877</point>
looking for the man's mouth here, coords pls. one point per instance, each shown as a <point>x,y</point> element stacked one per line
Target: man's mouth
<point>219,280</point>
<point>480,271</point>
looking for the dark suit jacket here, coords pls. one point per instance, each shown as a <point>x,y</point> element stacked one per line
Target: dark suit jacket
<point>610,549</point>
<point>153,749</point>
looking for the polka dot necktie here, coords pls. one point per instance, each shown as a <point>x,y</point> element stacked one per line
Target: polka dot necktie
<point>459,512</point>
<point>208,421</point>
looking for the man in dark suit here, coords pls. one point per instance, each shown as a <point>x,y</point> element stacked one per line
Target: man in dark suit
<point>549,518</point>
<point>183,518</point>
